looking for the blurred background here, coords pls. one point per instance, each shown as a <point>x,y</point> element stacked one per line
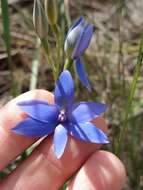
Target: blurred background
<point>110,61</point>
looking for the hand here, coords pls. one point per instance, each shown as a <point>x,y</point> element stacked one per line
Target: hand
<point>96,169</point>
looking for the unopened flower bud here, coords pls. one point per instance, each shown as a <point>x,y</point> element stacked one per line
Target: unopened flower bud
<point>78,38</point>
<point>39,19</point>
<point>51,10</point>
<point>77,41</point>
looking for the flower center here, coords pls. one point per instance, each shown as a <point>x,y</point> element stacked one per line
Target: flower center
<point>62,116</point>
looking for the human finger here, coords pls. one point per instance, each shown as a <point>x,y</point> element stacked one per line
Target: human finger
<point>11,145</point>
<point>102,171</point>
<point>42,170</point>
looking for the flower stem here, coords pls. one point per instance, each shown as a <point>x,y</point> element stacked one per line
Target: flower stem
<point>35,66</point>
<point>56,31</point>
<point>45,46</point>
<point>67,12</point>
<point>68,64</point>
<point>123,132</point>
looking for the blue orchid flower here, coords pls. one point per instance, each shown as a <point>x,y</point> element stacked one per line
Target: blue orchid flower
<point>77,41</point>
<point>63,118</point>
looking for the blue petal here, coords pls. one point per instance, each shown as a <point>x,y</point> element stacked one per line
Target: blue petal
<point>85,111</point>
<point>73,36</point>
<point>60,140</point>
<point>76,23</point>
<point>64,90</point>
<point>82,73</point>
<point>88,132</point>
<point>40,110</point>
<point>33,128</point>
<point>83,40</point>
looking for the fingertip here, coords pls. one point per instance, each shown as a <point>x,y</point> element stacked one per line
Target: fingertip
<point>102,171</point>
<point>111,167</point>
<point>34,94</point>
<point>10,114</point>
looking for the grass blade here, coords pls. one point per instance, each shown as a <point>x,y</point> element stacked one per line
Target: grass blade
<point>7,40</point>
<point>136,76</point>
<point>6,28</point>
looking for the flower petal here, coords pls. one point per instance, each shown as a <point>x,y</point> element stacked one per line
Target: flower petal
<point>83,40</point>
<point>73,36</point>
<point>60,140</point>
<point>88,132</point>
<point>76,23</point>
<point>85,111</point>
<point>82,73</point>
<point>33,128</point>
<point>40,110</point>
<point>64,90</point>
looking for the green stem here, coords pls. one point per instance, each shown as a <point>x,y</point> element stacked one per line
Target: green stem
<point>67,13</point>
<point>45,46</point>
<point>56,31</point>
<point>35,67</point>
<point>68,64</point>
<point>6,29</point>
<point>120,51</point>
<point>7,40</point>
<point>130,99</point>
